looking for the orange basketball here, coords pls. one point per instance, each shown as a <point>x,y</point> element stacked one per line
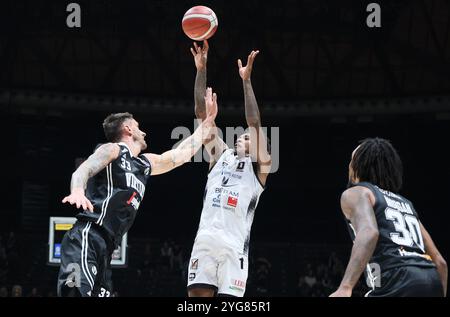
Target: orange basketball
<point>199,23</point>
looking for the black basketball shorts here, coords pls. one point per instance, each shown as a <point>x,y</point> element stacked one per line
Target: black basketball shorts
<point>85,263</point>
<point>409,281</point>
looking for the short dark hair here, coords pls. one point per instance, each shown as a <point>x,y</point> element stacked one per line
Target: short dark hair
<point>376,161</point>
<point>112,125</point>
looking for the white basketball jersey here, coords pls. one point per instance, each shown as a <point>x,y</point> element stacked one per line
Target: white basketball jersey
<point>231,196</point>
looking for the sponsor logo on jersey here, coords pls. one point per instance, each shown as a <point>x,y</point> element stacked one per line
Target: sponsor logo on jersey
<point>232,198</point>
<point>194,264</point>
<point>191,276</point>
<point>220,190</point>
<point>147,171</point>
<point>237,285</point>
<point>403,252</point>
<point>135,183</point>
<point>216,200</point>
<point>133,201</point>
<point>232,201</point>
<point>131,198</point>
<point>225,180</point>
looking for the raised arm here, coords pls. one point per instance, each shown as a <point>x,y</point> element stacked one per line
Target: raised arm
<point>214,145</point>
<point>104,155</point>
<point>167,161</point>
<point>439,261</point>
<point>258,148</point>
<point>356,204</point>
<point>200,58</point>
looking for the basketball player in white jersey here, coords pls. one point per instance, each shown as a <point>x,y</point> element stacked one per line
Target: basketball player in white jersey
<point>236,179</point>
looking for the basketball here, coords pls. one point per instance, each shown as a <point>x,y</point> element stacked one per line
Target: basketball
<point>200,23</point>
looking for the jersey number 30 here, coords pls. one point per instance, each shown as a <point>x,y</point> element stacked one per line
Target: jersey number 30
<point>407,229</point>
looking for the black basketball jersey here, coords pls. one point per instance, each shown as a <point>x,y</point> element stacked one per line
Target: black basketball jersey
<point>116,193</point>
<point>400,239</point>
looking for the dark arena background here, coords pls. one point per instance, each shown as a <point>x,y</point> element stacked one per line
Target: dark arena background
<point>324,77</point>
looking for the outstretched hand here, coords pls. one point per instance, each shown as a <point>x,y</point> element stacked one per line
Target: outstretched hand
<point>246,71</point>
<point>78,198</point>
<point>211,105</point>
<point>200,55</point>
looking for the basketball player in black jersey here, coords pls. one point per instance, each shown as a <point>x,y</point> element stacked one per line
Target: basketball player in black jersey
<point>109,186</point>
<point>390,243</point>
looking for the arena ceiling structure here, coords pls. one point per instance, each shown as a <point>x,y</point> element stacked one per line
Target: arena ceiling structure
<point>317,57</point>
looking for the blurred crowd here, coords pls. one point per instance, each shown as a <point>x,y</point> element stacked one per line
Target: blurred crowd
<point>159,268</point>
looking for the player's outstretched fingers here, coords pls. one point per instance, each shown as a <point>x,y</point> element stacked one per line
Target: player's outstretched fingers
<point>208,93</point>
<point>83,204</point>
<point>70,200</point>
<point>249,59</point>
<point>198,48</point>
<point>89,205</point>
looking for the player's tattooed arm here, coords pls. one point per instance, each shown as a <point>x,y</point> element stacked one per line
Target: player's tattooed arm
<point>253,119</point>
<point>94,164</point>
<point>438,259</point>
<point>200,58</point>
<point>251,106</point>
<point>357,206</point>
<point>169,160</point>
<point>214,145</point>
